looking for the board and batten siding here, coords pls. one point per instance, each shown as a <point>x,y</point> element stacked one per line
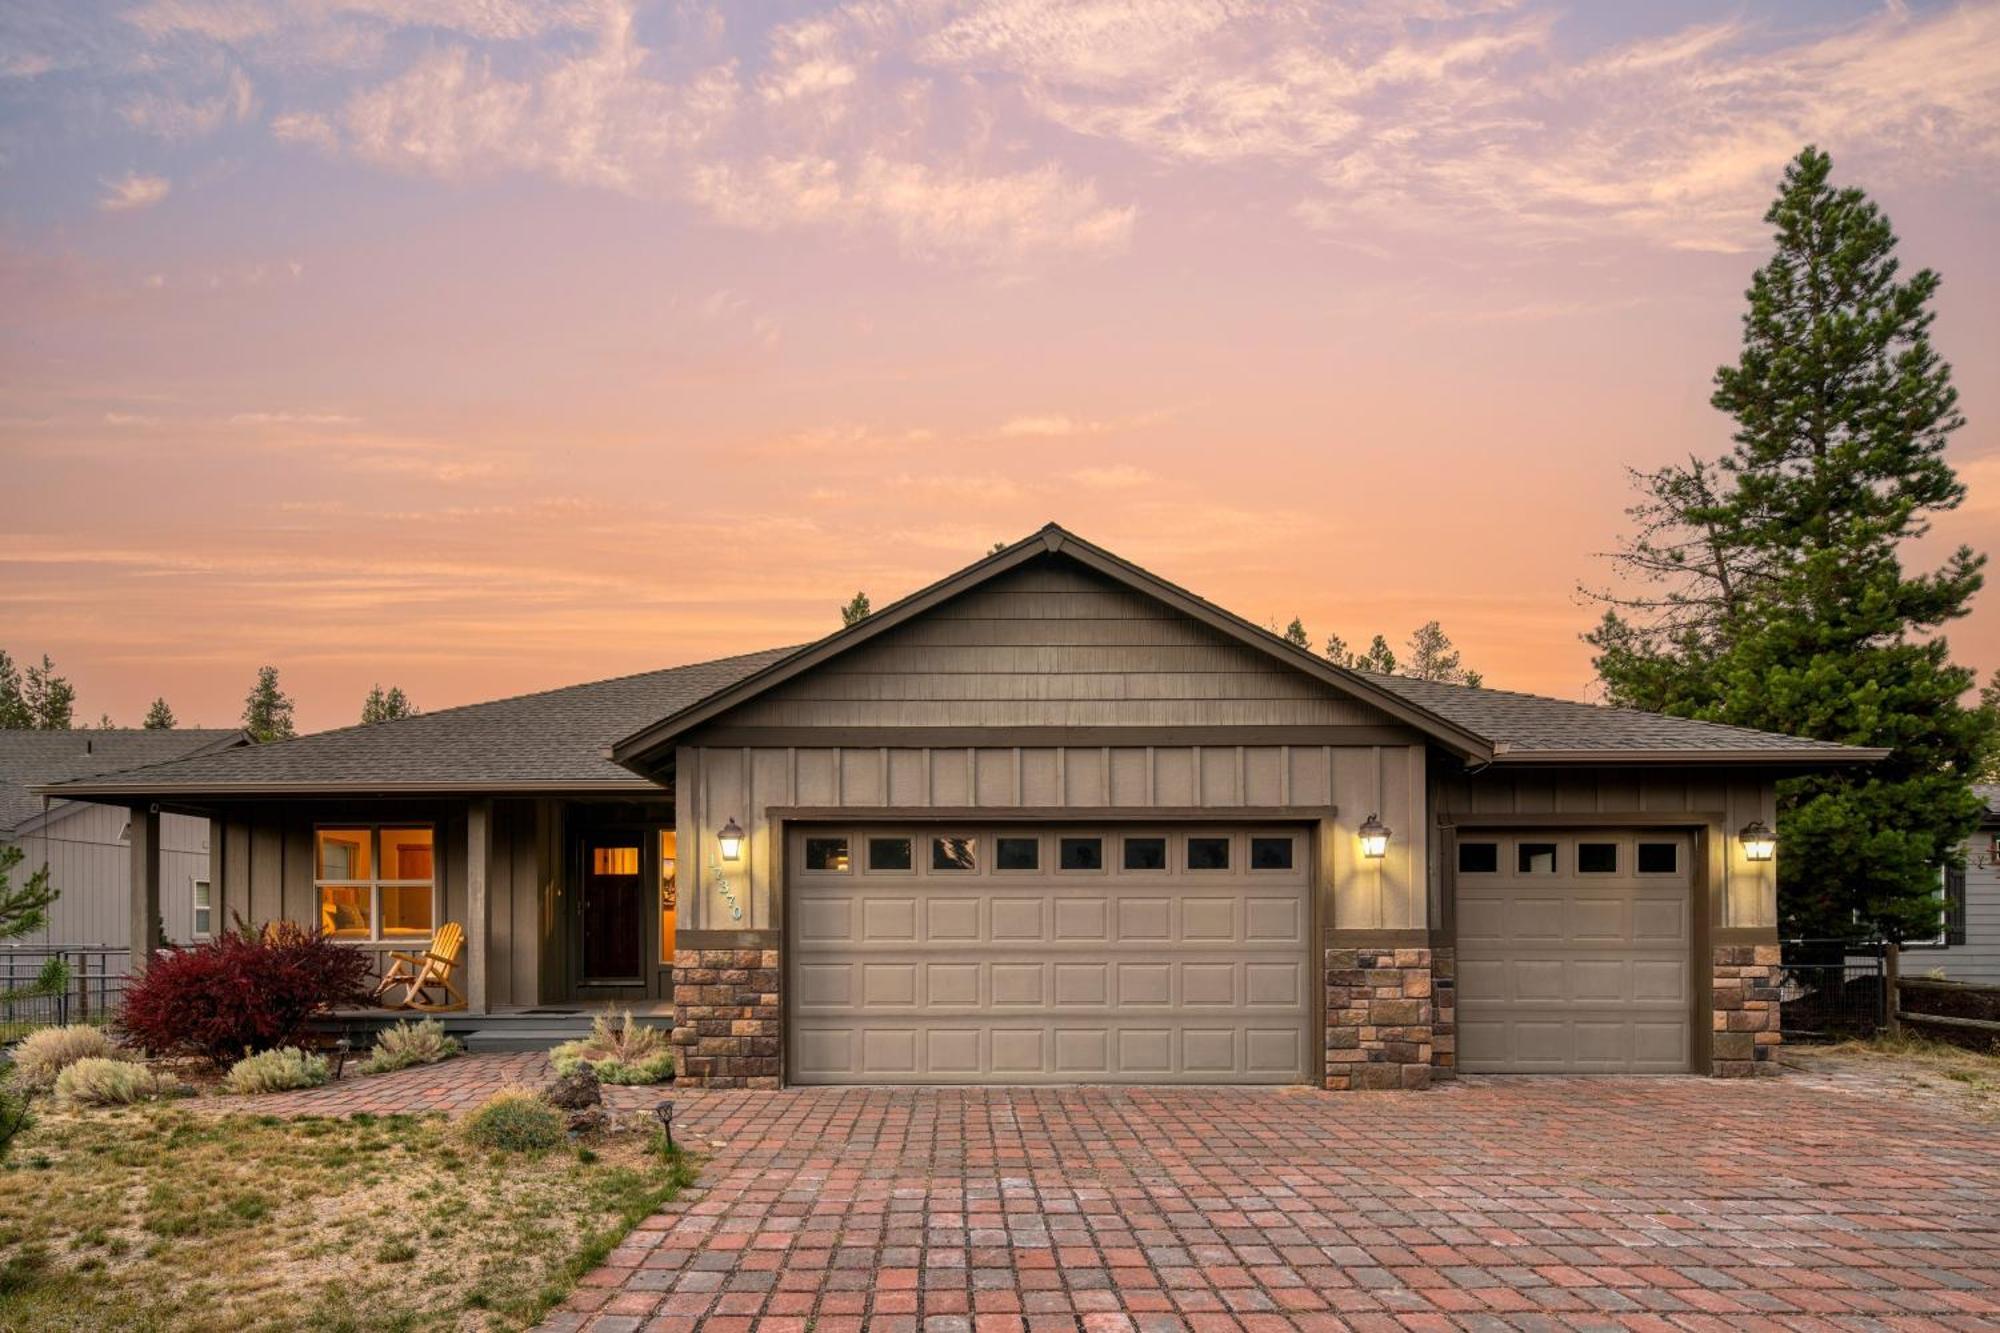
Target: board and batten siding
<point>265,872</point>
<point>745,783</point>
<point>1747,893</point>
<point>90,862</point>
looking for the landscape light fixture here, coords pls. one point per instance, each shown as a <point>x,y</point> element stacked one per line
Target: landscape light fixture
<point>664,1113</point>
<point>1374,838</point>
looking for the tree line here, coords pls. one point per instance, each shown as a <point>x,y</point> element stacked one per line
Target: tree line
<point>39,699</point>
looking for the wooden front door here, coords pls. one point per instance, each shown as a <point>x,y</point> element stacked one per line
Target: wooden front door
<point>614,910</point>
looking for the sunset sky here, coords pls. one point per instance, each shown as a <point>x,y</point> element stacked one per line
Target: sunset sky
<point>483,346</point>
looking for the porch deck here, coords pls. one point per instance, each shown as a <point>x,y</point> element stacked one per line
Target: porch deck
<point>506,1028</point>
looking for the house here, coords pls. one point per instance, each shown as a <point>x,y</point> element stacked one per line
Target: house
<point>1969,949</point>
<point>86,845</point>
<point>1049,820</point>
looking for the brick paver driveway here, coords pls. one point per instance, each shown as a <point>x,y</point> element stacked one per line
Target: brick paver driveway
<point>1495,1203</point>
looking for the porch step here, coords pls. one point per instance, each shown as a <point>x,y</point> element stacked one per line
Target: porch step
<point>519,1030</point>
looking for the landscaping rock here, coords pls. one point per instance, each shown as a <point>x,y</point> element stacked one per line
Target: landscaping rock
<point>588,1120</point>
<point>575,1092</point>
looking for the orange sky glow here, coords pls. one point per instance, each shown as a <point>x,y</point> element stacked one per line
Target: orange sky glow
<point>480,348</point>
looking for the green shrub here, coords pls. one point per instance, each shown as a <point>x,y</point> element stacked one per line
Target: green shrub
<point>624,1051</point>
<point>408,1044</point>
<point>98,1081</point>
<point>46,1052</point>
<point>515,1120</point>
<point>281,1070</point>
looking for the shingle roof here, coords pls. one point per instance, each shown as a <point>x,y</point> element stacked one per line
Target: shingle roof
<point>30,758</point>
<point>554,740</point>
<point>1527,726</point>
<point>1989,793</point>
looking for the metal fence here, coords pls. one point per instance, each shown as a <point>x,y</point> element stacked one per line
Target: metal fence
<point>1832,990</point>
<point>95,989</point>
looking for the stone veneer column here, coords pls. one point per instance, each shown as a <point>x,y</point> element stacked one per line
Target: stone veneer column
<point>727,1017</point>
<point>1381,1018</point>
<point>1747,1015</point>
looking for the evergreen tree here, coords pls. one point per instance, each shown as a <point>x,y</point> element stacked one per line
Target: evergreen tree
<point>159,717</point>
<point>1432,657</point>
<point>1380,658</point>
<point>387,706</point>
<point>14,714</point>
<point>855,611</point>
<point>1295,634</point>
<point>1337,651</point>
<point>24,909</point>
<point>1989,704</point>
<point>267,712</point>
<point>50,700</point>
<point>1795,613</point>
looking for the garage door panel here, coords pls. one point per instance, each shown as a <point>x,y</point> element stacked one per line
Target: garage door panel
<point>977,975</point>
<point>1570,970</point>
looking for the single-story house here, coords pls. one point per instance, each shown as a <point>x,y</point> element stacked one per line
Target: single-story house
<point>87,846</point>
<point>1969,947</point>
<point>1049,820</point>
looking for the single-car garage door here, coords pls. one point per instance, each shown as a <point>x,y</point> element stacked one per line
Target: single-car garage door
<point>1573,952</point>
<point>1050,955</point>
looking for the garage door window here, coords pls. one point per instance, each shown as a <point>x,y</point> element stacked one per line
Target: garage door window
<point>828,854</point>
<point>1659,858</point>
<point>1208,853</point>
<point>1017,854</point>
<point>1082,854</point>
<point>1597,858</point>
<point>1479,858</point>
<point>1537,858</point>
<point>1270,853</point>
<point>888,853</point>
<point>1145,853</point>
<point>954,854</point>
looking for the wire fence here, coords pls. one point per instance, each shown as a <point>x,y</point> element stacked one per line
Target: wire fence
<point>1833,990</point>
<point>92,994</point>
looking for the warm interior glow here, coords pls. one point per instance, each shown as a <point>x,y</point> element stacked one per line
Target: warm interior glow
<point>376,883</point>
<point>614,861</point>
<point>406,854</point>
<point>343,911</point>
<point>669,892</point>
<point>343,854</point>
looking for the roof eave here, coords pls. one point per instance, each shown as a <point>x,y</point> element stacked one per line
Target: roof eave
<point>243,790</point>
<point>1787,758</point>
<point>634,751</point>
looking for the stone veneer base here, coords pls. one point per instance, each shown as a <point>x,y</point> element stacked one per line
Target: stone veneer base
<point>1747,1014</point>
<point>728,1024</point>
<point>1390,1018</point>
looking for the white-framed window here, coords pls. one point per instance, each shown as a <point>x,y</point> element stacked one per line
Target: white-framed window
<point>376,881</point>
<point>204,909</point>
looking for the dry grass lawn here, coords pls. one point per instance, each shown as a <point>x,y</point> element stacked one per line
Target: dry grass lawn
<point>1970,1078</point>
<point>156,1218</point>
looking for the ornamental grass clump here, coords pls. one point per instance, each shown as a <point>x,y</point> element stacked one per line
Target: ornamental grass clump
<point>624,1051</point>
<point>515,1120</point>
<point>46,1052</point>
<point>99,1081</point>
<point>282,1070</point>
<point>408,1044</point>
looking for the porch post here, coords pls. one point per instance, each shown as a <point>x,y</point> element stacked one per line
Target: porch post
<point>145,895</point>
<point>478,841</point>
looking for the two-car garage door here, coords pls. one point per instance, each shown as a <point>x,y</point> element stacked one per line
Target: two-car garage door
<point>1061,954</point>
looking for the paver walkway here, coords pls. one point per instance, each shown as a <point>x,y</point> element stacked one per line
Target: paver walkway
<point>1533,1203</point>
<point>453,1086</point>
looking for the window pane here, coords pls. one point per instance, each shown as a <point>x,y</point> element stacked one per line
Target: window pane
<point>1659,858</point>
<point>406,911</point>
<point>1597,858</point>
<point>343,911</point>
<point>1270,853</point>
<point>203,905</point>
<point>1208,853</point>
<point>1018,853</point>
<point>826,854</point>
<point>1537,858</point>
<point>888,853</point>
<point>670,894</point>
<point>1082,854</point>
<point>406,853</point>
<point>343,854</point>
<point>954,853</point>
<point>1478,858</point>
<point>614,861</point>
<point>1145,853</point>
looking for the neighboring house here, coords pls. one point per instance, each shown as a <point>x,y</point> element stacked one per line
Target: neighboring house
<point>87,847</point>
<point>1970,947</point>
<point>1049,820</point>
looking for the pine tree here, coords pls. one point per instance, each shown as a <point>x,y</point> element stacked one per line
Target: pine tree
<point>1842,411</point>
<point>50,699</point>
<point>1432,657</point>
<point>1380,658</point>
<point>1295,634</point>
<point>24,909</point>
<point>14,714</point>
<point>387,706</point>
<point>1989,704</point>
<point>159,717</point>
<point>1337,652</point>
<point>267,712</point>
<point>855,611</point>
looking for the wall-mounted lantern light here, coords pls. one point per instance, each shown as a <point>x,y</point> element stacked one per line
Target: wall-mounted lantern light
<point>1759,842</point>
<point>731,838</point>
<point>1374,838</point>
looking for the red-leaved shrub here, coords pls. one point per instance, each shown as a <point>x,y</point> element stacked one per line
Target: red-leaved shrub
<point>241,992</point>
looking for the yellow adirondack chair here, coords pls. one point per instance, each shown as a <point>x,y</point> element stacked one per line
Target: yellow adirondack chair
<point>420,973</point>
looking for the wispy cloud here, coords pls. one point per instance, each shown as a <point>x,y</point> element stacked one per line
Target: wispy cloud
<point>132,192</point>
